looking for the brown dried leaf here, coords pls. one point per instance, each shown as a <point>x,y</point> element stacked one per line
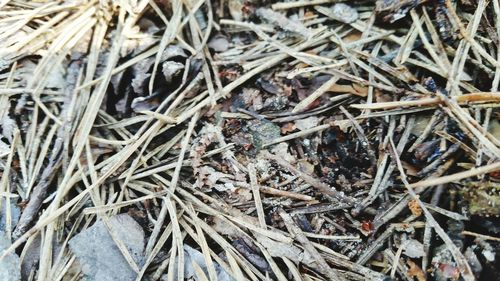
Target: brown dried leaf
<point>415,271</point>
<point>288,128</point>
<point>415,208</point>
<point>350,89</point>
<point>360,90</point>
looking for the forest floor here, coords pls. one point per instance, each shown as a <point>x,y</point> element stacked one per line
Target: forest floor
<point>249,140</point>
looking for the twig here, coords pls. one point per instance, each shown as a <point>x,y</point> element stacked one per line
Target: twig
<point>304,104</point>
<point>300,3</point>
<point>457,176</point>
<point>480,97</point>
<point>480,236</point>
<point>256,195</point>
<point>298,134</point>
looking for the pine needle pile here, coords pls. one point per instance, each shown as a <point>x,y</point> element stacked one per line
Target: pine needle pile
<point>249,140</point>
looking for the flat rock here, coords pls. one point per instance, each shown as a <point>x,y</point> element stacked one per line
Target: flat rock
<point>10,267</point>
<point>15,213</point>
<point>100,258</point>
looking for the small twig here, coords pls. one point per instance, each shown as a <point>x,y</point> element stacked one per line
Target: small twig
<point>305,103</point>
<point>284,193</point>
<point>458,176</point>
<point>480,236</point>
<point>300,3</point>
<point>481,97</point>
<point>298,134</point>
<point>256,195</point>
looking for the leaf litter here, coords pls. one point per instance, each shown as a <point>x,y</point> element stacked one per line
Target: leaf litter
<point>249,140</point>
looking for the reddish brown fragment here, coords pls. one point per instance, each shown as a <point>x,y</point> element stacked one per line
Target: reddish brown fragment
<point>415,271</point>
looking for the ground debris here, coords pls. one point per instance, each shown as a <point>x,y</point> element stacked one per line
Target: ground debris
<point>250,140</point>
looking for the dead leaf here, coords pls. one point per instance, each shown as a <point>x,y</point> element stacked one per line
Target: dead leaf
<point>145,103</point>
<point>140,76</point>
<point>350,89</point>
<point>252,98</point>
<point>269,86</point>
<point>410,169</point>
<point>243,194</point>
<point>207,135</point>
<point>415,271</point>
<point>352,37</point>
<point>415,208</point>
<point>305,167</point>
<point>282,150</point>
<point>288,128</point>
<point>208,176</point>
<point>173,51</point>
<point>449,271</point>
<point>361,90</point>
<point>382,97</point>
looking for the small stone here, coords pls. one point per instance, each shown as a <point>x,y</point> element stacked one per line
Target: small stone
<point>263,132</point>
<point>414,249</point>
<point>98,254</point>
<point>170,69</point>
<point>473,261</point>
<point>307,123</point>
<point>344,13</point>
<point>489,255</point>
<point>280,149</point>
<point>219,43</point>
